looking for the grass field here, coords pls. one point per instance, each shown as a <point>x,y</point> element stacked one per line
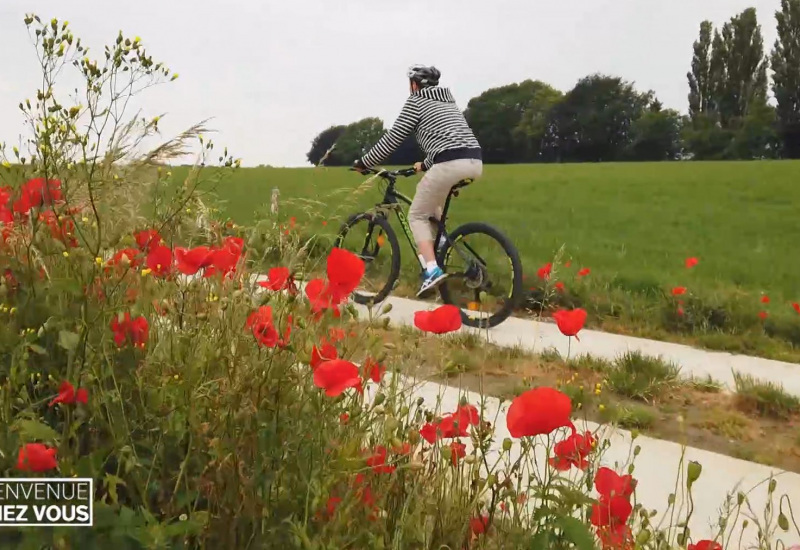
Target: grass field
<point>633,225</point>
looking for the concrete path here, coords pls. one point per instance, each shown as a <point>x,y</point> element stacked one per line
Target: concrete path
<point>537,337</point>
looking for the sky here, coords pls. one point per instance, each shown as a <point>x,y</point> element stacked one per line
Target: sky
<point>272,74</point>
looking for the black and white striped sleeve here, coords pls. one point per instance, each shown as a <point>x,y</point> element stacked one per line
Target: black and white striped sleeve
<point>403,127</point>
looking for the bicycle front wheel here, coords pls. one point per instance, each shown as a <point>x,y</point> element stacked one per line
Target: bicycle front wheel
<point>371,238</point>
<point>484,274</point>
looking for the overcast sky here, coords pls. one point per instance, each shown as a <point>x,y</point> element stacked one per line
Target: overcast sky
<point>275,73</point>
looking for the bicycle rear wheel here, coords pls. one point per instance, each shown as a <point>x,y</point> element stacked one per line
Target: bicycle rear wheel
<point>371,238</point>
<point>484,274</point>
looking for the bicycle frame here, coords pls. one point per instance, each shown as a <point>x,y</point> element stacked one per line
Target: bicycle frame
<point>393,199</point>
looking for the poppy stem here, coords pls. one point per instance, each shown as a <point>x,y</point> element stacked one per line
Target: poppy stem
<point>569,348</point>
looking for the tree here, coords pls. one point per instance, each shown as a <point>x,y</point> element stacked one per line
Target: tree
<point>530,133</point>
<point>505,120</point>
<point>755,136</point>
<point>728,91</point>
<point>738,68</point>
<point>593,122</point>
<point>656,135</point>
<point>786,77</point>
<point>322,143</point>
<point>356,140</point>
<point>700,75</point>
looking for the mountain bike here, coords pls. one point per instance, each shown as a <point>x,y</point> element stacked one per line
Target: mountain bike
<point>484,271</point>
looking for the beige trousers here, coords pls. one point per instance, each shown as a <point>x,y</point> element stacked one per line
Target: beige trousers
<point>432,193</point>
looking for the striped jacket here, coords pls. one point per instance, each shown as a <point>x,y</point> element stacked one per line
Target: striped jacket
<point>439,125</point>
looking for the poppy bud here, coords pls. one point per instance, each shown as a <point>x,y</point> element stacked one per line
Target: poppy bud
<point>783,522</point>
<point>386,308</point>
<point>643,537</point>
<point>447,454</point>
<point>380,398</point>
<point>396,443</point>
<point>740,498</point>
<point>470,459</point>
<point>693,472</point>
<point>413,437</point>
<point>507,443</point>
<point>637,450</point>
<point>386,323</point>
<point>773,484</point>
<point>391,424</point>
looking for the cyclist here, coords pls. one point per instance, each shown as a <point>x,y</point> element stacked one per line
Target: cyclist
<point>452,154</point>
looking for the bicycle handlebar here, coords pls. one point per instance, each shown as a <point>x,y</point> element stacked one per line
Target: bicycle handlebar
<point>406,172</point>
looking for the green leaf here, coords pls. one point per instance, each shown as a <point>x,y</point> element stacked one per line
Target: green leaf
<point>33,430</point>
<point>111,482</point>
<point>35,348</point>
<point>577,533</point>
<point>68,340</point>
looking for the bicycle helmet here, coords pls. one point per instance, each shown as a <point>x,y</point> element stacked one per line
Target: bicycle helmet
<point>424,76</point>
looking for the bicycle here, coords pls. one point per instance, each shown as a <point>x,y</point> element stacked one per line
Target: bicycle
<point>488,302</point>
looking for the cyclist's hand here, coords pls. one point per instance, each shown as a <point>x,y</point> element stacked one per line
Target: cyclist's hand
<point>418,167</point>
<point>358,165</point>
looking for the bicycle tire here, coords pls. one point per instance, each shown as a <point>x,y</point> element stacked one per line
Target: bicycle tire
<point>394,273</point>
<point>510,250</point>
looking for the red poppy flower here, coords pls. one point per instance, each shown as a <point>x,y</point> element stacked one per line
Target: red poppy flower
<point>457,452</point>
<point>763,315</point>
<point>278,278</point>
<point>373,370</point>
<point>6,217</point>
<point>377,461</point>
<point>344,270</point>
<point>584,272</point>
<point>443,319</point>
<point>545,271</point>
<point>321,297</point>
<point>765,299</point>
<point>5,196</point>
<point>336,334</point>
<point>570,322</point>
<point>611,512</point>
<point>539,411</point>
<point>330,506</point>
<point>429,432</point>
<point>82,396</point>
<point>404,449</point>
<point>136,331</point>
<point>336,376</point>
<point>560,286</point>
<point>616,537</point>
<point>573,452</point>
<point>190,261</point>
<point>262,327</point>
<point>344,418</point>
<point>568,263</point>
<point>796,306</point>
<point>159,261</point>
<point>67,395</point>
<point>479,525</point>
<point>679,291</point>
<point>705,545</point>
<point>147,239</point>
<point>37,192</point>
<point>125,257</point>
<point>691,262</point>
<point>680,312</point>
<point>36,457</point>
<point>319,356</point>
<point>609,483</point>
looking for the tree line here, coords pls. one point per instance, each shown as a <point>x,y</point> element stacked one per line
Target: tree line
<point>605,118</point>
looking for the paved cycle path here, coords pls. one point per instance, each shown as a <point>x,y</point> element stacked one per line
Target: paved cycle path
<point>537,336</point>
